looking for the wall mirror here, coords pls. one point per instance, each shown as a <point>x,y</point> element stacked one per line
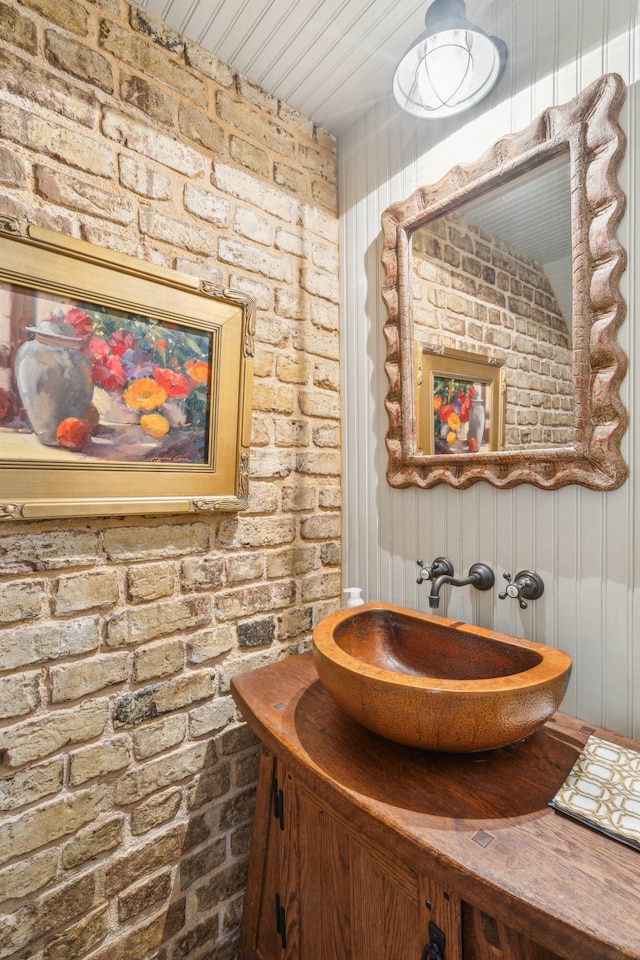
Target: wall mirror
<point>503,306</point>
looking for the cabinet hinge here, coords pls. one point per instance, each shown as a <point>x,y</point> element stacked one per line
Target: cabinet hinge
<point>278,804</point>
<point>434,950</point>
<point>281,922</point>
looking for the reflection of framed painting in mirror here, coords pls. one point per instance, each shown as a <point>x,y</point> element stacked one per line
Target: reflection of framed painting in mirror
<point>459,403</point>
<point>124,387</point>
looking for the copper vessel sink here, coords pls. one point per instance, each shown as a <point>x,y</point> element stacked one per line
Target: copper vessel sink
<point>435,683</point>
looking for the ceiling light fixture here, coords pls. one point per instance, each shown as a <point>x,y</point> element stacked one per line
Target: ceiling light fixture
<point>450,67</point>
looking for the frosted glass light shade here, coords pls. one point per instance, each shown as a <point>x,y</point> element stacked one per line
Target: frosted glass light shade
<point>450,67</point>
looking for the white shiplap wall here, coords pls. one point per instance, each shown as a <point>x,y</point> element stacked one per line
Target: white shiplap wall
<point>584,544</point>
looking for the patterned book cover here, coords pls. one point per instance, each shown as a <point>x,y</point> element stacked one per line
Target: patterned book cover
<point>602,790</point>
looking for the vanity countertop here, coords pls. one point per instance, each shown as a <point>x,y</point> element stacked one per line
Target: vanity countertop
<point>482,821</point>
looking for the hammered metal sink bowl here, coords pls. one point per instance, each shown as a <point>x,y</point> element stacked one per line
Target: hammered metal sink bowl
<point>435,683</point>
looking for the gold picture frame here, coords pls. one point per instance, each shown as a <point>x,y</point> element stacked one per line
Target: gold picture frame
<point>459,402</point>
<point>125,387</point>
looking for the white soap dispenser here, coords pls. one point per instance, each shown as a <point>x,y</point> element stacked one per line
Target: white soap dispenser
<point>354,596</point>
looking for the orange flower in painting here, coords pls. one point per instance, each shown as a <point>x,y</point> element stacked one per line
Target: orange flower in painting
<point>144,394</point>
<point>198,370</point>
<point>454,421</point>
<point>451,437</point>
<point>437,402</point>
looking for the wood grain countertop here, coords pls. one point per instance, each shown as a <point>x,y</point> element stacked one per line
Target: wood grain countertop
<point>479,823</point>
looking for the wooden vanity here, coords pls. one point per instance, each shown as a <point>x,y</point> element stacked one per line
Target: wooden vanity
<point>363,849</point>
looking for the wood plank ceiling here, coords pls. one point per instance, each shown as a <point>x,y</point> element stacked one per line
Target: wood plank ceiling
<point>330,59</point>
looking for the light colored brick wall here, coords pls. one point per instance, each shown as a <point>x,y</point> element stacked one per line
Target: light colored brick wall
<point>126,777</point>
<point>474,292</point>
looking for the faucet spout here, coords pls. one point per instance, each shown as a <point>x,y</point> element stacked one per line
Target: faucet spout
<point>480,576</point>
<point>438,583</point>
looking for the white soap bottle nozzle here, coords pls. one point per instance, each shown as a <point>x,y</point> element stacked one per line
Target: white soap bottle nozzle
<point>354,596</point>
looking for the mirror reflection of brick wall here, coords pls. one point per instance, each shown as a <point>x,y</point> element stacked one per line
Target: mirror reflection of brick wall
<point>472,291</point>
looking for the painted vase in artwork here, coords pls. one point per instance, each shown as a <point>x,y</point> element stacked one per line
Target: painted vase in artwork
<point>54,378</point>
<point>476,423</point>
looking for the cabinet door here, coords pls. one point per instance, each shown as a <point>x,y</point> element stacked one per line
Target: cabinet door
<point>322,857</point>
<point>487,939</point>
<point>319,889</point>
<point>357,901</point>
<point>387,919</point>
<point>263,932</point>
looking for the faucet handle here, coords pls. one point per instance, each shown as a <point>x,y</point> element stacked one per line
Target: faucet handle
<point>526,584</point>
<point>439,566</point>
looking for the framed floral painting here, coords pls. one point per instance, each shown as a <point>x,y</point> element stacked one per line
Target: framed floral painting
<point>124,387</point>
<point>459,402</point>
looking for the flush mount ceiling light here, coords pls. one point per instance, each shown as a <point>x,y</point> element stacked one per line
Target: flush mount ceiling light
<point>450,67</point>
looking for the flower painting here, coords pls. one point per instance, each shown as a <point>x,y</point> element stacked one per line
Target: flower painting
<point>461,416</point>
<point>125,386</point>
<point>459,402</point>
<point>104,383</point>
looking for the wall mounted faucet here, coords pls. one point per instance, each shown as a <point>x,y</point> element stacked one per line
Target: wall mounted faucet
<point>526,584</point>
<point>480,576</point>
<point>439,566</point>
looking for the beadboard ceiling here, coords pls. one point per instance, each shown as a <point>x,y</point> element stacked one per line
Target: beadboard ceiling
<point>334,59</point>
<point>330,59</point>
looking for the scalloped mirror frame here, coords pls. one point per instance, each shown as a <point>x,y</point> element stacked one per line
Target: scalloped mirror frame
<point>588,128</point>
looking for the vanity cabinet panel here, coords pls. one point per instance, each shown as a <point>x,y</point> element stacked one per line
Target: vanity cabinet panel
<point>379,840</point>
<point>267,878</point>
<point>384,918</point>
<point>484,938</point>
<point>321,858</point>
<point>316,891</point>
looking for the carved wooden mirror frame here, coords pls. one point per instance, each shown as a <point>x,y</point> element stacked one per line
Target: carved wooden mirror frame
<point>588,128</point>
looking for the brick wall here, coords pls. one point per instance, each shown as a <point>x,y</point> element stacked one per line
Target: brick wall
<point>126,777</point>
<point>474,292</point>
